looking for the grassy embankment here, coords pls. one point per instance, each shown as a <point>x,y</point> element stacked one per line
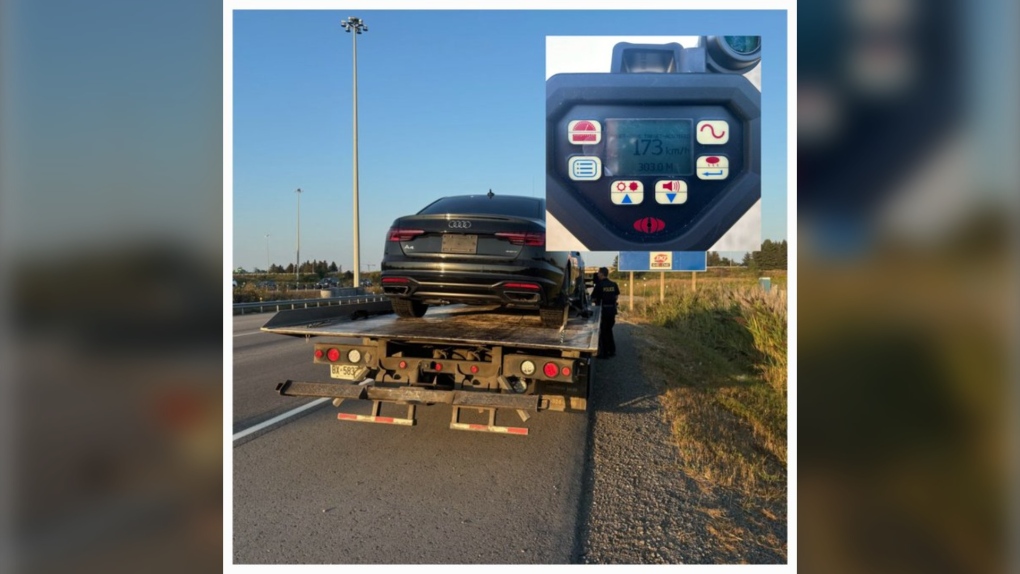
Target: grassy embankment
<point>721,354</point>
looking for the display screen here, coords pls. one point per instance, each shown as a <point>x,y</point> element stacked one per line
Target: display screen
<point>649,147</point>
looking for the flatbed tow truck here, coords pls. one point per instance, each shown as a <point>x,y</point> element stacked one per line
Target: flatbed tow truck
<point>469,357</point>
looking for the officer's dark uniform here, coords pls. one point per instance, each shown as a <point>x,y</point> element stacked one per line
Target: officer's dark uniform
<point>605,294</point>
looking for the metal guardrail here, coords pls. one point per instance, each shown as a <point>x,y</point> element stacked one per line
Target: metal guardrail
<point>276,306</point>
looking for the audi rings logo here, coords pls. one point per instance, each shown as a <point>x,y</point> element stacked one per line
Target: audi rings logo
<point>459,224</point>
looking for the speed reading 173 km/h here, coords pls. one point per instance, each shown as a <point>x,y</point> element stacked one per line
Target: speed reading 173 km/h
<point>649,147</point>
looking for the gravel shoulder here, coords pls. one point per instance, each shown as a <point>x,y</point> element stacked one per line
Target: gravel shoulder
<point>638,506</point>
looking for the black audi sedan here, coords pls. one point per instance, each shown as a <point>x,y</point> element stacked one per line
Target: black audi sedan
<point>480,250</point>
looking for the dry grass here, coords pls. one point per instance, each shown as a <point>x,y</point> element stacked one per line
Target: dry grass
<point>721,355</point>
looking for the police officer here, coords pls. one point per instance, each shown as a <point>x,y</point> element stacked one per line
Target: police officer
<point>605,294</point>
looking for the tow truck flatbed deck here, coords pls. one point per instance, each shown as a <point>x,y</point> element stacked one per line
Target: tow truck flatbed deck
<point>456,324</point>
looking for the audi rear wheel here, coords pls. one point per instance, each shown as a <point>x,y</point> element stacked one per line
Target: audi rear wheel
<point>553,317</point>
<point>409,308</point>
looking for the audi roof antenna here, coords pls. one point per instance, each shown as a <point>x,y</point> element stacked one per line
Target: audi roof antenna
<point>490,194</point>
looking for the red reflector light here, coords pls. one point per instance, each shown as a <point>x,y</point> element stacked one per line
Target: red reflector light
<point>333,355</point>
<point>565,371</point>
<point>551,370</point>
<point>531,239</point>
<point>403,364</point>
<point>400,234</point>
<point>528,286</point>
<point>439,366</point>
<point>318,353</point>
<point>395,280</point>
<point>474,369</point>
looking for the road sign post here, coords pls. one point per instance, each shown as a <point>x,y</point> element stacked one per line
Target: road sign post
<point>631,291</point>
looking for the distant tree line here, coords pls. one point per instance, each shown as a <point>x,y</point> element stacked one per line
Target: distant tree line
<point>714,260</point>
<point>772,255</point>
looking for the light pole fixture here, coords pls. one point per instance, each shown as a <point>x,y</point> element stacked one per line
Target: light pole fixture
<point>297,265</point>
<point>268,263</point>
<point>356,25</point>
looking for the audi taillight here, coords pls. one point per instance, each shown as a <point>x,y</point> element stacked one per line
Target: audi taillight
<point>528,286</point>
<point>401,234</point>
<point>531,239</point>
<point>551,370</point>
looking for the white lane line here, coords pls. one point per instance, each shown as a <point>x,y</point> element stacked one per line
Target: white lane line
<point>279,418</point>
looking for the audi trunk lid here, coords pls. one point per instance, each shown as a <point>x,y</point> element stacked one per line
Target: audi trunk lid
<point>467,237</point>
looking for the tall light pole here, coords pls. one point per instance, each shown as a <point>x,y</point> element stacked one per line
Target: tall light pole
<point>268,264</point>
<point>356,25</point>
<point>298,264</point>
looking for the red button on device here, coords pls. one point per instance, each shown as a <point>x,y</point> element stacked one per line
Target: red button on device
<point>582,132</point>
<point>649,225</point>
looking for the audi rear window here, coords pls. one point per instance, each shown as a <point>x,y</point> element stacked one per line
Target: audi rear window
<point>528,207</point>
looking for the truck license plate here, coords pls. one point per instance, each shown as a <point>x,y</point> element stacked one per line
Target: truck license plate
<point>347,372</point>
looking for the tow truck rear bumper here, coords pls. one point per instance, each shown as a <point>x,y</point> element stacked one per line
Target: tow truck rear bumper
<point>410,395</point>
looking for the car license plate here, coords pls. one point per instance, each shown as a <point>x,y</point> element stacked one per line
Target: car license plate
<point>347,372</point>
<point>456,243</point>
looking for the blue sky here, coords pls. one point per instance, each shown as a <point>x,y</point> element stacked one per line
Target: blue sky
<point>450,102</point>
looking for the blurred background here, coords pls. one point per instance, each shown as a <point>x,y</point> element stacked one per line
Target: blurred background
<point>111,285</point>
<point>111,262</point>
<point>908,194</point>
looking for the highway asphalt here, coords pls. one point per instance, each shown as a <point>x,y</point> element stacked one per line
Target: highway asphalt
<point>606,487</point>
<point>312,489</point>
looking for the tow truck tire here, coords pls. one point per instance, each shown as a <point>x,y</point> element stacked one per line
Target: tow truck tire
<point>409,308</point>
